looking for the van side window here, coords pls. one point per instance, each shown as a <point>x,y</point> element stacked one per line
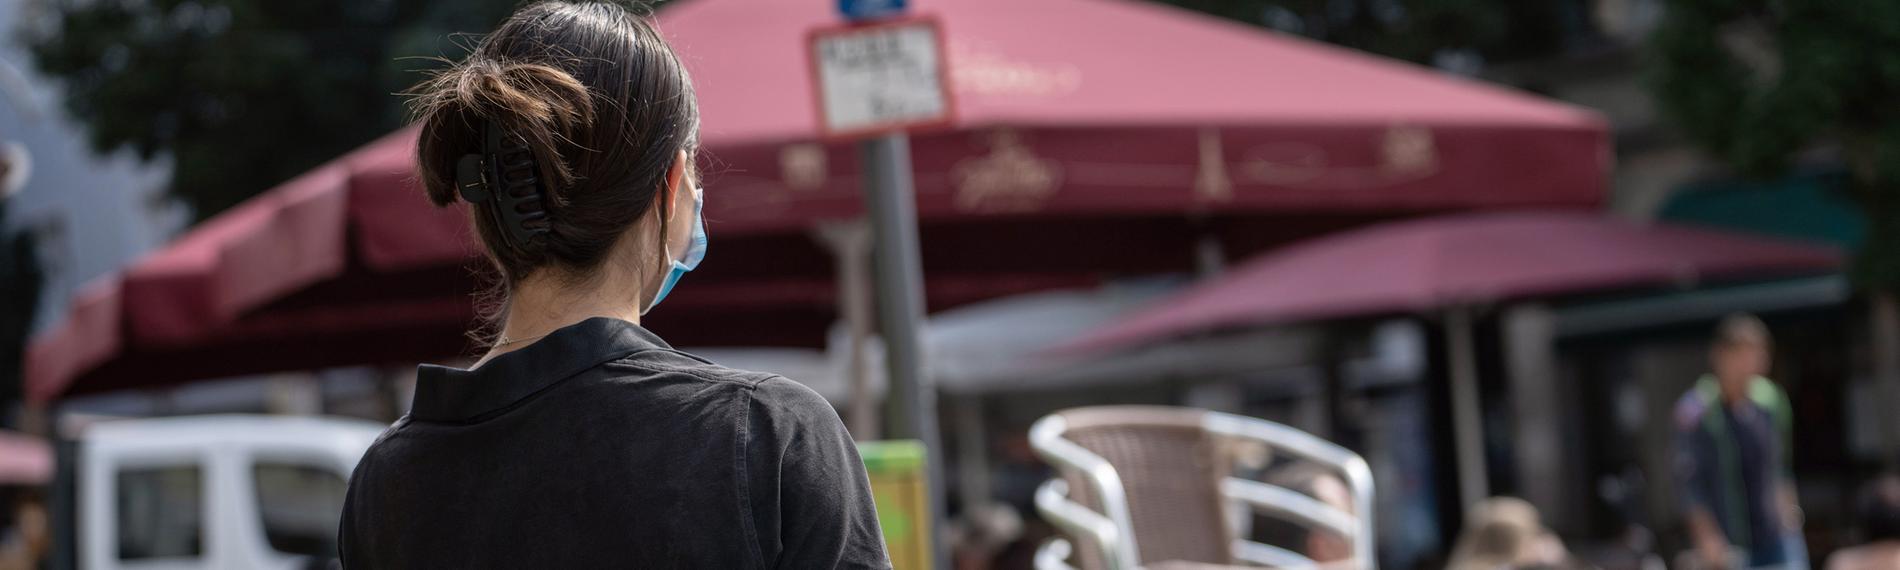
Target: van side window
<point>160,512</point>
<point>301,506</point>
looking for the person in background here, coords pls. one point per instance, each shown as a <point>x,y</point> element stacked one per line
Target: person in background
<point>1328,548</point>
<point>24,545</point>
<point>1506,533</point>
<point>982,532</point>
<point>1879,527</point>
<point>1732,456</point>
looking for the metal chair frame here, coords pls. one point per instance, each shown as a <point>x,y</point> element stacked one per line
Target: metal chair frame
<point>1112,528</point>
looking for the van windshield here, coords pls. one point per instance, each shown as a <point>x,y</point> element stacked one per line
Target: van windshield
<point>300,505</point>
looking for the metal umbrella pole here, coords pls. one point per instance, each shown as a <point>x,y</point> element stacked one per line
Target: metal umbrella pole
<point>1467,421</point>
<point>911,403</point>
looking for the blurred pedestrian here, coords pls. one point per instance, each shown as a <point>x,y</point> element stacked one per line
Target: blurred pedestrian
<point>1732,447</point>
<point>582,440</point>
<point>1323,546</point>
<point>1506,533</point>
<point>1880,529</point>
<point>982,532</point>
<point>24,544</point>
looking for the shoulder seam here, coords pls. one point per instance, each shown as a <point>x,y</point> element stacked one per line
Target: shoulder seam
<point>746,378</point>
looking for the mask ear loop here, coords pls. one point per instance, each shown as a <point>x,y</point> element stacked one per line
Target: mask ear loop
<point>661,211</point>
<point>671,201</point>
<point>667,203</point>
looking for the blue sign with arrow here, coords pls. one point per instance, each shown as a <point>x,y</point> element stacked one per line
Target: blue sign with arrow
<point>860,10</point>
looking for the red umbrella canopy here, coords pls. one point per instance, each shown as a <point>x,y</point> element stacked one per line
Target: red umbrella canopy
<point>1094,137</point>
<point>1106,107</point>
<point>24,460</point>
<point>1425,264</point>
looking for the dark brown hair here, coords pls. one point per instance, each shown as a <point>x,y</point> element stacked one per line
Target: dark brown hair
<point>598,97</point>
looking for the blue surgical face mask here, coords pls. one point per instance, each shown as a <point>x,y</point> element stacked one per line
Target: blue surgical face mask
<point>695,251</point>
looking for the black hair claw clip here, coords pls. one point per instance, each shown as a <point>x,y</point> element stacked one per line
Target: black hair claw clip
<point>507,177</point>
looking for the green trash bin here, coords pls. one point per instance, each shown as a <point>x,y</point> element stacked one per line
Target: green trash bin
<point>896,469</point>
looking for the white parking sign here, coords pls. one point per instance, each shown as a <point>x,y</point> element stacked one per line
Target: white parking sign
<point>880,78</point>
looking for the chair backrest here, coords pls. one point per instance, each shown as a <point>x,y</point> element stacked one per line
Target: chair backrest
<point>1139,485</point>
<point>1170,470</point>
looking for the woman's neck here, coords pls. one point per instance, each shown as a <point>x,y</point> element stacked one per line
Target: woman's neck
<point>542,304</point>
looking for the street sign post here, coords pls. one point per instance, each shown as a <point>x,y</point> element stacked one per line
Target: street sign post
<point>876,81</point>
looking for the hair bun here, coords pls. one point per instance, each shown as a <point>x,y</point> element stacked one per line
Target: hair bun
<point>539,104</point>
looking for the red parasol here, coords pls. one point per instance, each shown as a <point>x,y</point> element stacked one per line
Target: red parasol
<point>1100,107</point>
<point>1077,153</point>
<point>1428,264</point>
<point>24,460</point>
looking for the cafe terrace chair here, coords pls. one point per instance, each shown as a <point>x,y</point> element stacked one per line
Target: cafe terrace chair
<point>1152,486</point>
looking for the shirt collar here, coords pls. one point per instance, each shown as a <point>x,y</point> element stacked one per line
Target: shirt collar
<point>448,394</point>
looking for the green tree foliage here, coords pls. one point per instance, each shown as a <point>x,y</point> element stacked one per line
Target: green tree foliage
<point>1756,82</point>
<point>21,279</point>
<point>243,94</point>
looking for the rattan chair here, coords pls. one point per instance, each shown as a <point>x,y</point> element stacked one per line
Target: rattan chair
<point>1151,487</point>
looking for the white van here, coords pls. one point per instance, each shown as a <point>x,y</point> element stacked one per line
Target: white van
<point>210,492</point>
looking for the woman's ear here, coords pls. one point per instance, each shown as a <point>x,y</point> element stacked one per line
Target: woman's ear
<point>675,181</point>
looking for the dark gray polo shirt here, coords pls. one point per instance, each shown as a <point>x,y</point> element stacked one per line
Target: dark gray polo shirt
<point>599,446</point>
